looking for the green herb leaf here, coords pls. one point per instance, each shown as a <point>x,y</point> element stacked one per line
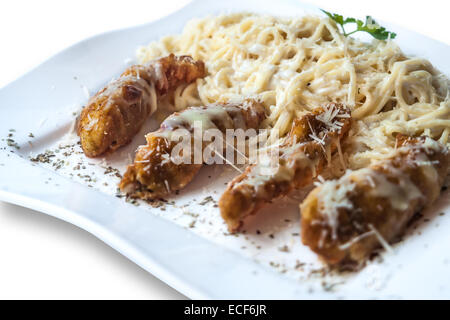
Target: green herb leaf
<point>370,26</point>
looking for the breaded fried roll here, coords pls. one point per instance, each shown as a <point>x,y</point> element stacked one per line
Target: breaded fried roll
<point>301,157</point>
<point>157,172</point>
<point>117,112</point>
<point>344,220</point>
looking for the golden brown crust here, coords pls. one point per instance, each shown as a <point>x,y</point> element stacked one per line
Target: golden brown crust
<point>379,202</point>
<point>117,112</point>
<point>301,158</point>
<point>169,72</point>
<point>153,174</point>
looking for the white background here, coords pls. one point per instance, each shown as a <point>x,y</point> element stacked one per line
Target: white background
<point>44,258</point>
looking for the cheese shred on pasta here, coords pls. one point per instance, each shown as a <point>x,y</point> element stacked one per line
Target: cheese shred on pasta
<point>297,64</point>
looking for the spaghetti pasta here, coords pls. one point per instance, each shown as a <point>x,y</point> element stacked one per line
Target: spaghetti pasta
<point>293,65</point>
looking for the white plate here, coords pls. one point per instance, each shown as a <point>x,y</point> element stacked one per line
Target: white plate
<point>200,262</point>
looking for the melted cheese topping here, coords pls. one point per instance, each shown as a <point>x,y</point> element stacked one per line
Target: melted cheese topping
<point>204,117</point>
<point>334,194</point>
<point>291,152</point>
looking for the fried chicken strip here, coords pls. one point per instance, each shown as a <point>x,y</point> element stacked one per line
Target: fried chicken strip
<point>344,220</point>
<point>154,172</point>
<point>117,112</point>
<point>301,157</point>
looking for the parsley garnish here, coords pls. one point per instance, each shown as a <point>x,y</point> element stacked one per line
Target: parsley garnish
<point>370,26</point>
